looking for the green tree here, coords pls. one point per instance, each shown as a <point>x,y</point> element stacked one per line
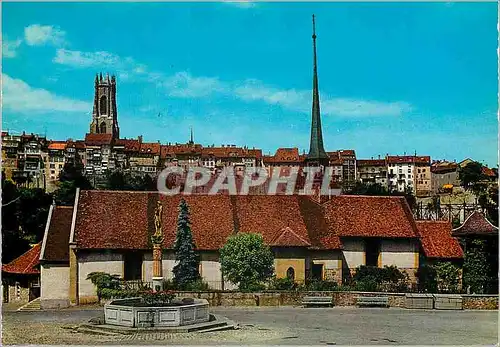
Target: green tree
<point>471,175</point>
<point>115,180</point>
<point>69,179</point>
<point>427,279</point>
<point>373,189</point>
<point>65,193</point>
<point>32,211</point>
<point>186,271</point>
<point>476,267</point>
<point>246,261</point>
<point>13,243</point>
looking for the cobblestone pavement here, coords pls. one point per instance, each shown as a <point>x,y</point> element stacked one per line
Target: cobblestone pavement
<point>275,325</point>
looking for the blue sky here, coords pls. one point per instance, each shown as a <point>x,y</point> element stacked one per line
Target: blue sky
<point>393,77</point>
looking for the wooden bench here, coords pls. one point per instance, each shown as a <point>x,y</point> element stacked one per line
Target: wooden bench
<point>374,301</point>
<point>317,301</point>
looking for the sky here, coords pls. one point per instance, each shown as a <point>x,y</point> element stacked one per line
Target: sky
<point>394,77</point>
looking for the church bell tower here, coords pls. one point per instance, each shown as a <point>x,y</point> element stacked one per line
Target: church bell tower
<point>317,155</point>
<point>104,116</point>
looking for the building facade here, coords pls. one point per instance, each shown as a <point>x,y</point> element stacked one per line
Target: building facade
<point>325,241</point>
<point>372,171</point>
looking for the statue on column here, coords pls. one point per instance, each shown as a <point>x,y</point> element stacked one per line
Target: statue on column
<point>157,240</point>
<point>158,235</point>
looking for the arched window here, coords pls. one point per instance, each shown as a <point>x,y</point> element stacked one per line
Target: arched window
<point>290,273</point>
<point>103,106</point>
<point>103,128</point>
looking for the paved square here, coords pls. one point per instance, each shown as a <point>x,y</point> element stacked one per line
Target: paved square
<point>276,325</point>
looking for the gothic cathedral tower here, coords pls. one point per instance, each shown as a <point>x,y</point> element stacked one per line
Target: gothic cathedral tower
<point>104,116</point>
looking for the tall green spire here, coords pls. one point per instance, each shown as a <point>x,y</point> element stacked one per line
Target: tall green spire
<point>317,152</point>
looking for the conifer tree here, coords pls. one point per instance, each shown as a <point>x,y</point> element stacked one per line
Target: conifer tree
<point>186,270</point>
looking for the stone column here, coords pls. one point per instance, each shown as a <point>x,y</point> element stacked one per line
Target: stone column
<point>157,267</point>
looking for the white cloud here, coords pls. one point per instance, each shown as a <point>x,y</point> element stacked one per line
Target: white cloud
<point>37,35</point>
<point>9,48</point>
<point>184,85</point>
<point>18,96</point>
<point>242,4</point>
<point>86,59</point>
<point>300,101</point>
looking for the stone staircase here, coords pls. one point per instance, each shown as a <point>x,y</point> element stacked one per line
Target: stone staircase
<point>33,305</point>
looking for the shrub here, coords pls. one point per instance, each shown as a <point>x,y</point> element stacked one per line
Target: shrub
<point>282,284</point>
<point>476,267</point>
<point>197,286</point>
<point>366,285</point>
<point>322,286</point>
<point>169,285</point>
<point>102,280</point>
<point>427,279</point>
<point>388,278</point>
<point>253,287</point>
<point>447,276</point>
<point>107,293</point>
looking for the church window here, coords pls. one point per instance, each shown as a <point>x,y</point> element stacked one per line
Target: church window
<point>103,128</point>
<point>103,106</point>
<point>290,273</point>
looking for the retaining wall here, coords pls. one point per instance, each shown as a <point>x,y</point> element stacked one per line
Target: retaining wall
<point>284,298</point>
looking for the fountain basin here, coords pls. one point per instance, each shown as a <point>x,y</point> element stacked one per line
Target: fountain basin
<point>132,312</point>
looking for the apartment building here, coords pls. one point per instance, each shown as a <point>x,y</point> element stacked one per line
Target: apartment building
<point>372,171</point>
<point>444,176</point>
<point>11,145</point>
<point>56,154</point>
<point>409,172</point>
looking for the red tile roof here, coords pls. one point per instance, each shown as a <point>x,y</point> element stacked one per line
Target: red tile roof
<point>476,224</point>
<point>320,235</point>
<point>57,242</point>
<point>369,216</point>
<point>256,153</point>
<point>79,144</point>
<point>443,167</point>
<point>347,153</point>
<point>270,216</point>
<point>285,155</point>
<point>228,152</point>
<point>371,162</point>
<point>183,149</point>
<point>130,145</point>
<point>57,145</point>
<point>153,148</point>
<point>408,159</point>
<point>26,264</point>
<point>98,139</point>
<point>488,172</point>
<point>437,241</point>
<point>128,219</point>
<point>288,238</point>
